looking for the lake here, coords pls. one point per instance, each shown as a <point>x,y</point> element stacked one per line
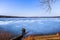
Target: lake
<point>32,25</point>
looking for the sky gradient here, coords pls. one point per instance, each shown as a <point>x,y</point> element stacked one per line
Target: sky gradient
<point>27,8</point>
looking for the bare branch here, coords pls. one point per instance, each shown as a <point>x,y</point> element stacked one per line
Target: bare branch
<point>47,3</point>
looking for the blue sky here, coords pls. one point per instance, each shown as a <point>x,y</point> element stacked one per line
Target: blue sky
<point>27,8</point>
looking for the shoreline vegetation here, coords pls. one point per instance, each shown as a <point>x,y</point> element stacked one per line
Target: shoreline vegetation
<point>7,36</point>
<point>4,16</point>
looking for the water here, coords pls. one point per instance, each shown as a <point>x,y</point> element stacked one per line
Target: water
<point>32,25</point>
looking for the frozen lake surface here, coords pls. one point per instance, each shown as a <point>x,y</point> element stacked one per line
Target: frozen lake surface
<point>32,25</point>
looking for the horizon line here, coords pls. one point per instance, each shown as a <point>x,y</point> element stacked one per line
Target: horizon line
<point>4,16</point>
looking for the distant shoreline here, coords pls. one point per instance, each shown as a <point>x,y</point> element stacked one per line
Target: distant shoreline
<point>28,17</point>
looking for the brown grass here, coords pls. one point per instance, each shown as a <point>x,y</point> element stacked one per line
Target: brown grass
<point>46,37</point>
<point>4,35</point>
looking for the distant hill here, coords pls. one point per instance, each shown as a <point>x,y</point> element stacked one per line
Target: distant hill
<point>3,16</point>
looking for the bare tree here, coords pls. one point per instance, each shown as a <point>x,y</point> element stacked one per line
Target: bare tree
<point>47,4</point>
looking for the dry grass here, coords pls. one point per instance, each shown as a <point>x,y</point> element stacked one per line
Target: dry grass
<point>46,37</point>
<point>4,35</point>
